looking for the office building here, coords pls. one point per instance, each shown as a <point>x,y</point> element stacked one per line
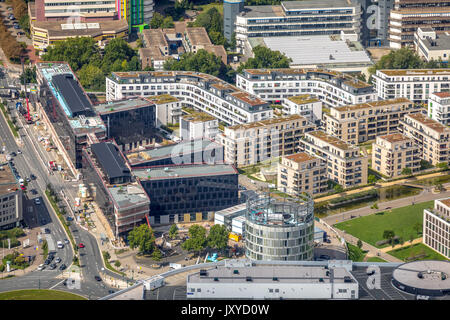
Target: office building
<point>305,105</point>
<point>375,22</point>
<point>239,279</point>
<point>345,164</point>
<point>231,9</point>
<point>432,137</point>
<point>11,199</point>
<point>302,173</point>
<point>432,46</point>
<point>436,227</point>
<point>413,84</point>
<point>198,90</point>
<point>185,152</point>
<point>296,18</point>
<point>439,107</point>
<point>279,229</point>
<point>254,142</point>
<point>188,193</point>
<point>409,15</point>
<point>131,123</point>
<point>108,178</point>
<point>364,122</point>
<point>332,88</point>
<point>135,12</point>
<point>67,112</point>
<point>394,152</point>
<point>198,125</point>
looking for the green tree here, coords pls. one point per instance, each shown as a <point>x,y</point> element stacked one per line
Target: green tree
<point>265,58</point>
<point>442,165</point>
<point>404,58</point>
<point>197,239</point>
<point>142,237</point>
<point>167,23</point>
<point>173,231</point>
<point>218,237</point>
<point>117,264</point>
<point>29,76</point>
<point>371,178</point>
<point>106,255</point>
<point>406,171</point>
<point>157,20</point>
<point>338,188</point>
<point>389,235</point>
<point>359,244</point>
<point>92,77</point>
<point>156,255</point>
<point>117,49</point>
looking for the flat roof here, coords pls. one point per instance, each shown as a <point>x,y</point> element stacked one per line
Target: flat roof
<point>262,12</point>
<point>198,117</point>
<point>233,211</point>
<point>63,29</point>
<point>312,4</point>
<point>129,196</point>
<point>442,42</point>
<point>265,274</point>
<point>110,160</point>
<point>431,270</point>
<point>300,157</point>
<point>428,122</point>
<point>303,99</point>
<point>320,49</point>
<point>267,122</point>
<point>72,93</point>
<point>445,201</point>
<point>415,72</point>
<point>122,105</point>
<point>162,98</point>
<point>155,37</point>
<point>183,171</point>
<point>198,36</point>
<point>192,146</point>
<point>394,137</point>
<point>338,143</point>
<point>368,105</point>
<point>7,179</point>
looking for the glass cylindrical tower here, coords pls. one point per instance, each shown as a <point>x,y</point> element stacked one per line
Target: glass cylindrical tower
<point>279,229</point>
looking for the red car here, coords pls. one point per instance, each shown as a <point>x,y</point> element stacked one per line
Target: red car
<point>81,245</point>
<point>23,187</point>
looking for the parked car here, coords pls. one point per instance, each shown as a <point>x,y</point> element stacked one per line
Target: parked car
<point>59,244</point>
<point>16,26</point>
<point>20,33</point>
<point>33,177</point>
<point>52,266</point>
<point>62,267</point>
<point>111,291</point>
<point>27,179</point>
<point>19,152</point>
<point>47,262</point>
<point>47,230</point>
<point>98,278</point>
<point>23,188</point>
<point>33,191</point>
<point>41,267</point>
<point>81,245</point>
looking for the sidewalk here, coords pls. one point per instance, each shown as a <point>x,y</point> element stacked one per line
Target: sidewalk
<point>404,245</point>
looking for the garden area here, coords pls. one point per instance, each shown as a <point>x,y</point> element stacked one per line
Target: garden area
<point>403,224</point>
<point>417,251</point>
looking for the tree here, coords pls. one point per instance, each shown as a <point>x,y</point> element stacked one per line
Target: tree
<point>403,58</point>
<point>167,23</point>
<point>106,255</point>
<point>371,178</point>
<point>29,76</point>
<point>359,244</point>
<point>439,187</point>
<point>443,166</point>
<point>157,20</point>
<point>401,241</point>
<point>117,264</point>
<point>92,77</point>
<point>197,239</point>
<point>411,238</point>
<point>389,235</point>
<point>338,188</point>
<point>156,255</point>
<point>142,237</point>
<point>265,58</point>
<point>173,231</point>
<point>117,50</point>
<point>406,171</point>
<point>218,237</point>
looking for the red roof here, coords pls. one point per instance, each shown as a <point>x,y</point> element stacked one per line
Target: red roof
<point>442,94</point>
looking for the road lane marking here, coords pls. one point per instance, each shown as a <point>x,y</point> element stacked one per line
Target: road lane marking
<point>57,284</point>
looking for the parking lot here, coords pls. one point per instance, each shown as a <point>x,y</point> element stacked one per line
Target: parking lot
<point>15,31</point>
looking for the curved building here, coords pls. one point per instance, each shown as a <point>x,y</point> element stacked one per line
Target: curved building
<point>429,277</point>
<point>278,229</point>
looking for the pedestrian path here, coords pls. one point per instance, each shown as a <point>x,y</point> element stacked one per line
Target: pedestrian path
<point>398,246</point>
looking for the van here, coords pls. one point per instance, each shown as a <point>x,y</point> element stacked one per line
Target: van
<point>59,244</point>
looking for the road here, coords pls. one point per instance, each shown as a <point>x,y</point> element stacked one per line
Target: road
<point>31,162</point>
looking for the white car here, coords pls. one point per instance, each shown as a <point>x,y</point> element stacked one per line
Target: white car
<point>59,244</point>
<point>37,201</point>
<point>41,267</point>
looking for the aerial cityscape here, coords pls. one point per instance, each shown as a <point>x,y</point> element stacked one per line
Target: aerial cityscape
<point>192,150</point>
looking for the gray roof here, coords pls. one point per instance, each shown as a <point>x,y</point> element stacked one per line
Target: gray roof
<point>317,50</point>
<point>442,42</point>
<point>310,4</point>
<point>110,160</point>
<point>265,274</point>
<point>258,12</point>
<point>129,196</point>
<point>122,105</point>
<point>72,93</point>
<point>184,171</point>
<point>407,274</point>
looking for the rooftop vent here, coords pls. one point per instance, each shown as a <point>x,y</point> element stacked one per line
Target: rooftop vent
<point>347,279</point>
<point>235,271</point>
<point>275,278</point>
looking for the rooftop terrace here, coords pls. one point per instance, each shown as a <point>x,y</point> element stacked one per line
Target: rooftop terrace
<point>394,137</point>
<point>429,123</point>
<point>336,142</point>
<point>267,122</point>
<point>300,157</point>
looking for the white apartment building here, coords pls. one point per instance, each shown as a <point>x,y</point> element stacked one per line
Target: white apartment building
<point>432,137</point>
<point>439,107</point>
<point>413,84</point>
<point>254,142</point>
<point>431,45</point>
<point>394,152</point>
<point>304,105</point>
<point>296,18</point>
<point>331,87</point>
<point>198,125</point>
<point>345,164</point>
<point>168,109</point>
<point>11,211</point>
<point>436,227</point>
<point>198,90</point>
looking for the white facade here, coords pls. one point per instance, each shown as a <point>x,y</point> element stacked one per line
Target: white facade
<point>194,128</point>
<point>332,88</point>
<point>436,227</point>
<point>439,107</point>
<point>200,91</point>
<point>413,84</point>
<point>311,109</point>
<point>238,225</point>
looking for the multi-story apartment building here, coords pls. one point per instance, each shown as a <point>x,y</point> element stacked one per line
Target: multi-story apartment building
<point>11,197</point>
<point>364,122</point>
<point>305,105</point>
<point>432,46</point>
<point>436,227</point>
<point>254,142</point>
<point>296,18</point>
<point>432,137</point>
<point>198,125</point>
<point>394,152</point>
<point>331,87</point>
<point>198,90</point>
<point>413,84</point>
<point>302,172</point>
<point>408,15</point>
<point>439,107</point>
<point>345,164</point>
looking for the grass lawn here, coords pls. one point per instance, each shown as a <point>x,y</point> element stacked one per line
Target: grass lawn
<point>206,7</point>
<point>414,250</point>
<point>375,259</point>
<point>39,295</point>
<point>401,220</point>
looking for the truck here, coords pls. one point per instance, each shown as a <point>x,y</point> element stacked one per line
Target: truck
<point>52,165</point>
<point>154,282</point>
<point>175,266</point>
